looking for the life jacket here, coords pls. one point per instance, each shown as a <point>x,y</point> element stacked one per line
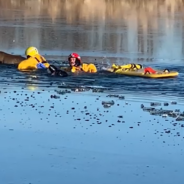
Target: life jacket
<point>33,63</point>
<point>89,68</point>
<point>149,70</point>
<point>128,67</point>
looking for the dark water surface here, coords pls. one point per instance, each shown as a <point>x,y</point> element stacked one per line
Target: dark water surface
<point>102,32</point>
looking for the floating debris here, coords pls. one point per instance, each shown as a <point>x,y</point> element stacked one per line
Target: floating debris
<point>97,90</point>
<point>166,104</point>
<point>173,115</point>
<point>55,96</point>
<point>178,134</point>
<point>164,115</point>
<point>121,97</point>
<point>155,112</point>
<point>148,109</point>
<point>79,90</point>
<point>116,96</point>
<point>155,104</point>
<point>180,118</point>
<point>167,131</point>
<point>108,104</point>
<point>62,92</point>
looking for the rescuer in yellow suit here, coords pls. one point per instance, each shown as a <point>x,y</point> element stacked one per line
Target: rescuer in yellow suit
<point>76,65</point>
<point>34,60</point>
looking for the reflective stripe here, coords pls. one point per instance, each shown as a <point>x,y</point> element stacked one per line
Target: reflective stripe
<point>38,59</point>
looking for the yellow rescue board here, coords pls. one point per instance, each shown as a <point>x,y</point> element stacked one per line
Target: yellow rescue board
<point>160,74</point>
<point>130,71</point>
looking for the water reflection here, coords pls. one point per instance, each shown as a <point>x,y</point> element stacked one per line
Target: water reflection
<point>122,28</point>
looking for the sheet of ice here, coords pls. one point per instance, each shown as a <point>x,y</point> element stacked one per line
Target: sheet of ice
<point>41,143</point>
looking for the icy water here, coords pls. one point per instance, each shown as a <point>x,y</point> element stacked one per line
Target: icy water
<point>102,32</point>
<point>50,136</point>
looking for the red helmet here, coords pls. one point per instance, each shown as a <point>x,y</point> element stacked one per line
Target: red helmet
<point>78,61</point>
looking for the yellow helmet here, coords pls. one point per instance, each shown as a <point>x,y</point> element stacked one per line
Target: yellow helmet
<point>31,51</point>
